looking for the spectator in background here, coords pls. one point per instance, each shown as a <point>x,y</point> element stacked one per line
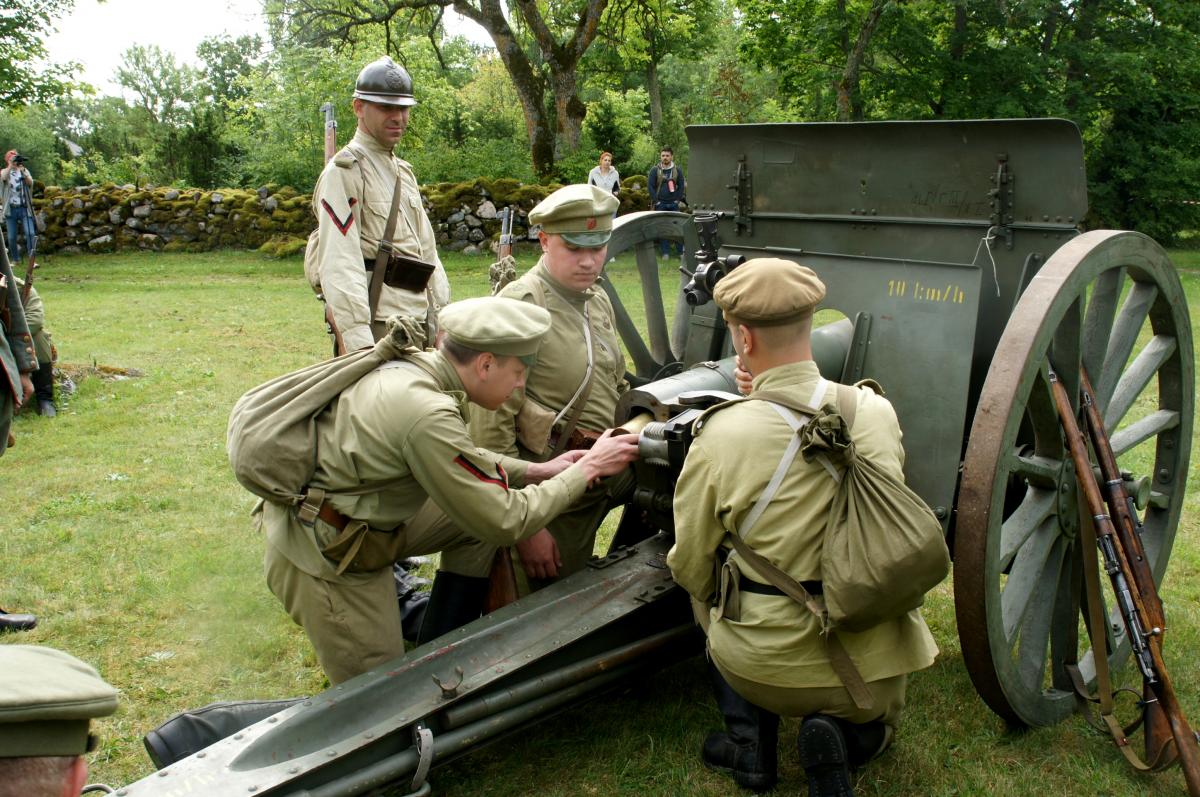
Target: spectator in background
<point>667,190</point>
<point>605,176</point>
<point>16,197</point>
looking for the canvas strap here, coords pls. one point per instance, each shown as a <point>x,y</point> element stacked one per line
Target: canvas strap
<point>1097,634</point>
<point>839,659</point>
<point>385,251</point>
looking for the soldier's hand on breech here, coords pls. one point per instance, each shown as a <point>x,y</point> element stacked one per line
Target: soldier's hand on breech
<point>539,555</point>
<point>610,455</point>
<point>26,389</point>
<point>540,471</point>
<point>744,379</point>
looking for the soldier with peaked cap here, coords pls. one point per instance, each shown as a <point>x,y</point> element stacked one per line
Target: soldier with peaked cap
<point>402,477</point>
<point>571,393</point>
<point>353,201</point>
<point>767,649</point>
<point>47,701</point>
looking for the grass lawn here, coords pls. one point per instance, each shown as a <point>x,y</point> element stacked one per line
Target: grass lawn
<point>127,535</point>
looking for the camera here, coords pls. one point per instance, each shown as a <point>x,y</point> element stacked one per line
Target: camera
<point>20,160</point>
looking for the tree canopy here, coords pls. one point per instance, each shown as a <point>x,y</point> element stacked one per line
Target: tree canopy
<point>565,79</point>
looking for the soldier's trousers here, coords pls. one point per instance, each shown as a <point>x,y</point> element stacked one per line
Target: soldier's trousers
<point>353,621</point>
<point>6,413</point>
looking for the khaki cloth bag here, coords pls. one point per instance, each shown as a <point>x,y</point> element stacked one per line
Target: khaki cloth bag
<point>272,435</point>
<point>883,548</point>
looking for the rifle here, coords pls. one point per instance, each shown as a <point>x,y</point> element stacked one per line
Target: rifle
<point>339,345</point>
<point>506,234</point>
<point>29,272</point>
<point>330,131</point>
<point>1136,595</point>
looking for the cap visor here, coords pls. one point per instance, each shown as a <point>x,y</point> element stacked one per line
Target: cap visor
<point>589,240</point>
<point>384,99</point>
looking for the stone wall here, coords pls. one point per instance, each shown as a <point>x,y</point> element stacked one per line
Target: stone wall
<point>108,218</point>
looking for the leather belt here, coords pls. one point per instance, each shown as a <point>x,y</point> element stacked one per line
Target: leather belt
<point>748,585</point>
<point>332,516</point>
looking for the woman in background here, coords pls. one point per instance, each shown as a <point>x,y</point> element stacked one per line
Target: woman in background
<point>605,176</point>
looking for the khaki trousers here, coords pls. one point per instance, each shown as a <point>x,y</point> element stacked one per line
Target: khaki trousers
<point>353,622</point>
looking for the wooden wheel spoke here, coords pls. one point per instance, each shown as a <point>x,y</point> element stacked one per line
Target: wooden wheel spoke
<point>1027,575</point>
<point>1134,380</point>
<point>1038,619</point>
<point>1037,470</point>
<point>1023,522</point>
<point>1143,429</point>
<point>1099,320</point>
<point>1124,336</point>
<point>643,361</point>
<point>652,299</point>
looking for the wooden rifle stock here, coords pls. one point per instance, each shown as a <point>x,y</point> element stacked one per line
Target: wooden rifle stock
<point>29,274</point>
<point>502,581</point>
<point>1137,599</point>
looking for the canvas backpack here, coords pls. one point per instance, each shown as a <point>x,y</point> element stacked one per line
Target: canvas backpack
<point>272,434</point>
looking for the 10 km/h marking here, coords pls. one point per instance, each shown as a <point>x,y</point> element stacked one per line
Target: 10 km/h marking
<point>950,294</point>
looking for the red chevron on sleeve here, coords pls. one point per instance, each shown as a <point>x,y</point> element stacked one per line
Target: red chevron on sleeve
<point>500,479</point>
<point>343,226</point>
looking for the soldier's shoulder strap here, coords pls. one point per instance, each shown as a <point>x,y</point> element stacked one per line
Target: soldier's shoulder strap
<point>347,156</point>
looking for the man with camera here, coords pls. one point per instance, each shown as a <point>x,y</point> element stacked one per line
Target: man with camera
<point>371,219</point>
<point>16,197</point>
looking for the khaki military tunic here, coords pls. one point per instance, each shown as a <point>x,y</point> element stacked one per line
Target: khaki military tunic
<point>401,427</point>
<point>352,200</point>
<point>35,316</point>
<point>776,641</point>
<point>559,372</point>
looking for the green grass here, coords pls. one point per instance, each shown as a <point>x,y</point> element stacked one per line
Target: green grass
<point>127,535</point>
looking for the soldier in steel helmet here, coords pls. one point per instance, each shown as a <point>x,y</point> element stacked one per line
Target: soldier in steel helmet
<point>571,394</point>
<point>353,201</point>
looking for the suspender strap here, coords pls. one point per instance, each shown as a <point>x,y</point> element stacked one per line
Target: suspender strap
<point>385,251</point>
<point>839,659</point>
<point>579,400</point>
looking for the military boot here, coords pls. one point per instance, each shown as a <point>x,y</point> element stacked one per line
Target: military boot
<point>824,757</point>
<point>455,600</point>
<point>747,749</point>
<point>16,622</point>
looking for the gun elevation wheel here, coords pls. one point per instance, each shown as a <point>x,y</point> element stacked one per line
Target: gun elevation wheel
<point>1113,302</point>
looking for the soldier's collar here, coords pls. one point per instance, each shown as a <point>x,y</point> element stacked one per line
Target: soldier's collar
<point>573,296</point>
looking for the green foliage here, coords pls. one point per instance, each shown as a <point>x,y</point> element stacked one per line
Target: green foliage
<point>24,75</point>
<point>614,123</point>
<point>1127,73</point>
<point>25,130</point>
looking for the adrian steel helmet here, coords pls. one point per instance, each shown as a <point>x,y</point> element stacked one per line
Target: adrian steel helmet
<point>386,82</point>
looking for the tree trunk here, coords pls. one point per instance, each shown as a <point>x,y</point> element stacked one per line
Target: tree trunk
<point>849,104</point>
<point>655,94</point>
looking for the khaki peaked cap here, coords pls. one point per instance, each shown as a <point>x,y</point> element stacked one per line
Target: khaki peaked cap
<point>47,699</point>
<point>495,324</point>
<point>582,214</point>
<point>768,291</point>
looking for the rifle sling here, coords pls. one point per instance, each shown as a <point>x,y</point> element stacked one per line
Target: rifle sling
<point>1096,627</point>
<point>385,249</point>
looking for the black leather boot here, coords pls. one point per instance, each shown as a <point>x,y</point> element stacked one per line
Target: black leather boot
<point>413,601</point>
<point>16,622</point>
<point>191,731</point>
<point>824,757</point>
<point>748,748</point>
<point>455,600</point>
<point>863,741</point>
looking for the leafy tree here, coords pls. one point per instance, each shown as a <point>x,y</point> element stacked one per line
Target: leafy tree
<point>641,33</point>
<point>614,129</point>
<point>23,77</point>
<point>1126,71</point>
<point>540,43</point>
<point>226,62</point>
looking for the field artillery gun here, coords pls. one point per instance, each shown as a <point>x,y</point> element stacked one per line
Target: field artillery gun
<point>959,285</point>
